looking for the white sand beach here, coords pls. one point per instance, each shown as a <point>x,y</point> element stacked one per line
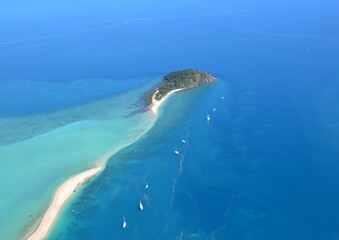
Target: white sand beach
<point>61,195</point>
<point>156,104</point>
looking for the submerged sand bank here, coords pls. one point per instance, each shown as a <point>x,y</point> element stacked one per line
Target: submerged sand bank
<point>61,195</point>
<point>65,190</point>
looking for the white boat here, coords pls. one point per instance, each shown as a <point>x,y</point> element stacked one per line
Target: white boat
<point>124,223</point>
<point>214,109</point>
<point>140,206</point>
<point>146,186</point>
<point>208,117</point>
<point>222,97</point>
<point>183,141</point>
<point>176,152</point>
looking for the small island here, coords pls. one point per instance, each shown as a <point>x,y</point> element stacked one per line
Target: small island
<point>176,81</point>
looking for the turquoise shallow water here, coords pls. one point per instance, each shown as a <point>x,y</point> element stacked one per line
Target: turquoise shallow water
<point>34,162</point>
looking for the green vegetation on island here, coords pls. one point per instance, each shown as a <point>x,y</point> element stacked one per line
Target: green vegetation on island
<point>187,78</point>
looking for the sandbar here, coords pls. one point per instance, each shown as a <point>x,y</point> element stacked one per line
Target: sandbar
<point>61,195</point>
<point>65,190</point>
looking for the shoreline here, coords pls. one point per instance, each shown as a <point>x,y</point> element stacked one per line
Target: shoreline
<point>156,104</point>
<point>62,194</point>
<point>65,190</point>
<point>68,187</point>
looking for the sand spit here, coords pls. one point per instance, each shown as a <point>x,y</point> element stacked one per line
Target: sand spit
<point>61,195</point>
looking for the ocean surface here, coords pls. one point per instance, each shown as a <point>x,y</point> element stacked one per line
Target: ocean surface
<point>73,76</point>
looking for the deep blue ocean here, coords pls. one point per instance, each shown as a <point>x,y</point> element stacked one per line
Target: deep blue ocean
<point>264,167</point>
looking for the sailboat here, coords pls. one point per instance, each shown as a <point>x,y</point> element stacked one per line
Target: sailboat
<point>222,97</point>
<point>208,117</point>
<point>140,206</point>
<point>214,109</point>
<point>124,223</point>
<point>146,186</point>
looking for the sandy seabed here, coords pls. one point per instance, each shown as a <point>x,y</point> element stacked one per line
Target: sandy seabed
<point>65,190</point>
